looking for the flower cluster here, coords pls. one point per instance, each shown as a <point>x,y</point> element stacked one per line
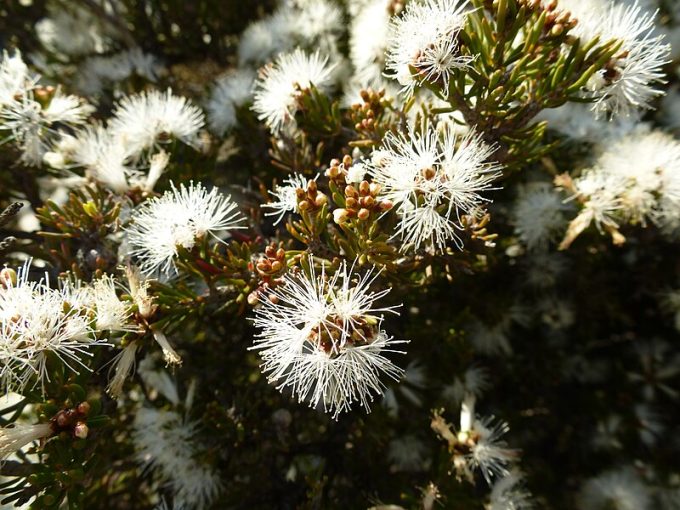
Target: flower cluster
<point>280,84</point>
<point>424,44</point>
<point>30,115</point>
<point>321,338</point>
<point>178,220</point>
<point>166,444</point>
<point>432,179</point>
<point>630,79</point>
<point>37,320</point>
<point>636,180</point>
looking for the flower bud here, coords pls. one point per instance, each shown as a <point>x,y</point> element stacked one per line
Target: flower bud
<point>8,277</point>
<point>81,430</point>
<point>340,216</point>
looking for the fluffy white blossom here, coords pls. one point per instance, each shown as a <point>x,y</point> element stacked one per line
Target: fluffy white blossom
<point>629,80</point>
<point>15,78</point>
<point>32,125</point>
<point>166,443</point>
<point>279,85</point>
<point>423,43</point>
<point>433,178</point>
<point>489,339</point>
<point>635,180</point>
<point>321,338</point>
<point>122,366</point>
<point>368,40</point>
<point>488,453</point>
<point>659,366</point>
<point>578,122</point>
<point>144,120</point>
<point>507,493</point>
<point>231,91</point>
<point>107,160</point>
<point>539,215</point>
<point>620,489</point>
<point>178,219</point>
<point>286,196</point>
<point>18,435</point>
<point>264,38</point>
<point>99,72</point>
<point>36,320</point>
<point>474,381</point>
<point>112,313</point>
<point>71,31</point>
<point>310,24</point>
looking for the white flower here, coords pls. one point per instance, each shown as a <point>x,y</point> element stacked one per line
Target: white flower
<point>98,72</point>
<point>279,85</point>
<point>628,81</point>
<point>122,366</point>
<point>321,338</point>
<point>475,381</point>
<point>67,109</point>
<point>36,320</point>
<point>621,489</point>
<point>507,493</point>
<point>424,46</point>
<point>487,452</point>
<point>169,354</point>
<point>17,436</point>
<point>112,314</point>
<point>433,178</point>
<point>104,157</point>
<point>178,219</point>
<point>166,443</point>
<point>368,40</point>
<point>107,160</point>
<point>72,32</point>
<point>318,21</point>
<point>637,179</point>
<point>489,339</point>
<point>231,91</point>
<point>658,368</point>
<point>138,289</point>
<point>579,122</point>
<point>306,23</point>
<point>539,215</point>
<point>266,37</point>
<point>144,120</point>
<point>30,125</point>
<point>15,79</point>
<point>356,173</point>
<point>286,196</point>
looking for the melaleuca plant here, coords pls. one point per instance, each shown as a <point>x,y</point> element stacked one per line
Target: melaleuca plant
<point>339,254</point>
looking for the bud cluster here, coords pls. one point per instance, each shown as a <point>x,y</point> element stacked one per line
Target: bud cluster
<point>359,199</point>
<point>365,116</point>
<point>72,421</point>
<point>310,199</point>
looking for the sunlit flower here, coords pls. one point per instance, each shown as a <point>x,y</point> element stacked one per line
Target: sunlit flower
<point>162,225</point>
<point>432,180</point>
<point>279,85</point>
<point>424,45</point>
<point>321,338</point>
